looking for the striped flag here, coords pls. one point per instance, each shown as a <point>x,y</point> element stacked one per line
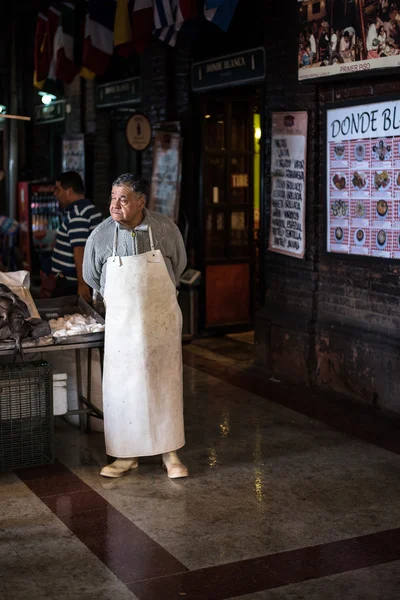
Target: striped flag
<point>220,13</point>
<point>99,35</point>
<point>171,16</point>
<point>66,69</point>
<point>142,24</point>
<point>41,54</point>
<point>165,13</point>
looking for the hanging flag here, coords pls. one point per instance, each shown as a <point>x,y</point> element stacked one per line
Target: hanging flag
<point>165,14</point>
<point>222,14</point>
<point>213,3</point>
<point>41,55</point>
<point>178,16</point>
<point>54,16</point>
<point>99,35</point>
<point>79,38</point>
<point>142,24</point>
<point>187,10</point>
<point>66,69</point>
<point>122,28</point>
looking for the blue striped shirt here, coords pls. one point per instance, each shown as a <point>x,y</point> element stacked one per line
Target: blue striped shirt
<point>79,220</point>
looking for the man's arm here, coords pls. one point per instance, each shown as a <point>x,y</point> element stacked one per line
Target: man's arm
<point>78,232</point>
<point>91,270</point>
<point>83,288</point>
<point>178,253</point>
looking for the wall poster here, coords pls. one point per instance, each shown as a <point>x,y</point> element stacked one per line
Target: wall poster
<point>342,37</point>
<point>73,155</point>
<point>288,183</point>
<point>166,176</point>
<point>363,179</point>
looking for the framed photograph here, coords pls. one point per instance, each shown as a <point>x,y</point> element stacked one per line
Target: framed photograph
<point>342,38</point>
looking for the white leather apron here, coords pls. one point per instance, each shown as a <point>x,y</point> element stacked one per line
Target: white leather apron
<point>142,383</point>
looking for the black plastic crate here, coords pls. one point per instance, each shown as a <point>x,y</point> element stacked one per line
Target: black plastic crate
<point>26,415</point>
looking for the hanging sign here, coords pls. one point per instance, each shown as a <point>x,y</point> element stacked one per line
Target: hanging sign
<point>51,113</point>
<point>363,179</point>
<point>288,176</point>
<point>138,132</point>
<point>125,91</point>
<point>232,69</point>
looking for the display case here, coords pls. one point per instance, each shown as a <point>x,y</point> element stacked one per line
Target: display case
<point>39,217</point>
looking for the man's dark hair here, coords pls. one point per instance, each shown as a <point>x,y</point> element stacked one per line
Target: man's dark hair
<point>72,179</point>
<point>137,184</point>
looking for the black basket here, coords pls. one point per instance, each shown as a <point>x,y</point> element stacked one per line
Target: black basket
<point>26,415</point>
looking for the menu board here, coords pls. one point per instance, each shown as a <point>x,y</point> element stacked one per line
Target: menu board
<point>363,180</point>
<point>288,183</point>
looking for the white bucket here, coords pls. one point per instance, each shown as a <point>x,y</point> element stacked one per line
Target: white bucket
<point>60,400</point>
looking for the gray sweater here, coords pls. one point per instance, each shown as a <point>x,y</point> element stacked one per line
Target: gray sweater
<point>166,236</point>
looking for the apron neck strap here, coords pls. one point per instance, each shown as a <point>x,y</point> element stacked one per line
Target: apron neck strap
<point>114,252</point>
<point>151,239</point>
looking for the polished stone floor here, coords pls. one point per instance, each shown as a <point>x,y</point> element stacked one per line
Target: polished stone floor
<point>291,495</point>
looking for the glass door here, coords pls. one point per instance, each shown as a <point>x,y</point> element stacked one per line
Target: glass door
<point>229,166</point>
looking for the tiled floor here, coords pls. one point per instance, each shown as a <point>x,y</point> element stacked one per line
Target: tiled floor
<point>280,504</point>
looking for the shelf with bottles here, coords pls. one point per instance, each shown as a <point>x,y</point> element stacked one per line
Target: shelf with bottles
<point>45,213</point>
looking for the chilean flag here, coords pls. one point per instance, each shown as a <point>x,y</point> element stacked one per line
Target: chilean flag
<point>142,24</point>
<point>220,12</point>
<point>187,9</point>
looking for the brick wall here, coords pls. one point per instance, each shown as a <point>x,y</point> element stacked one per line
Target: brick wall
<point>285,325</point>
<point>326,321</point>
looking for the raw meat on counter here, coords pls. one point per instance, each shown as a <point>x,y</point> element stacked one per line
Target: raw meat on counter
<point>76,324</point>
<point>15,323</point>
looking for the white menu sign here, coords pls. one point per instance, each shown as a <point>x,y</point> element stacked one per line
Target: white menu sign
<point>363,180</point>
<point>288,176</point>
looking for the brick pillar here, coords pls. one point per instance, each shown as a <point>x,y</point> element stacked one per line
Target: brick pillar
<point>285,326</point>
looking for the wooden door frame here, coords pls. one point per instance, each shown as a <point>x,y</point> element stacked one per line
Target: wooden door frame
<point>246,93</point>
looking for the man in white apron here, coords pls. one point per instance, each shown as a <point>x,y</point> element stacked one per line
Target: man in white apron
<point>135,259</point>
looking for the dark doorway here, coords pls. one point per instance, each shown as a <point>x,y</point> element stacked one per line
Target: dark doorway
<point>230,175</point>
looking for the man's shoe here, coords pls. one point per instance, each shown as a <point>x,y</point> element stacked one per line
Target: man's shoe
<point>119,467</point>
<point>174,467</point>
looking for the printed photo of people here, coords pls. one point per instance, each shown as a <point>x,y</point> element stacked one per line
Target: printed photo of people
<point>334,33</point>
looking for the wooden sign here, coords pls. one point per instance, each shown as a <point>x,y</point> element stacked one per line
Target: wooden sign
<point>138,132</point>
